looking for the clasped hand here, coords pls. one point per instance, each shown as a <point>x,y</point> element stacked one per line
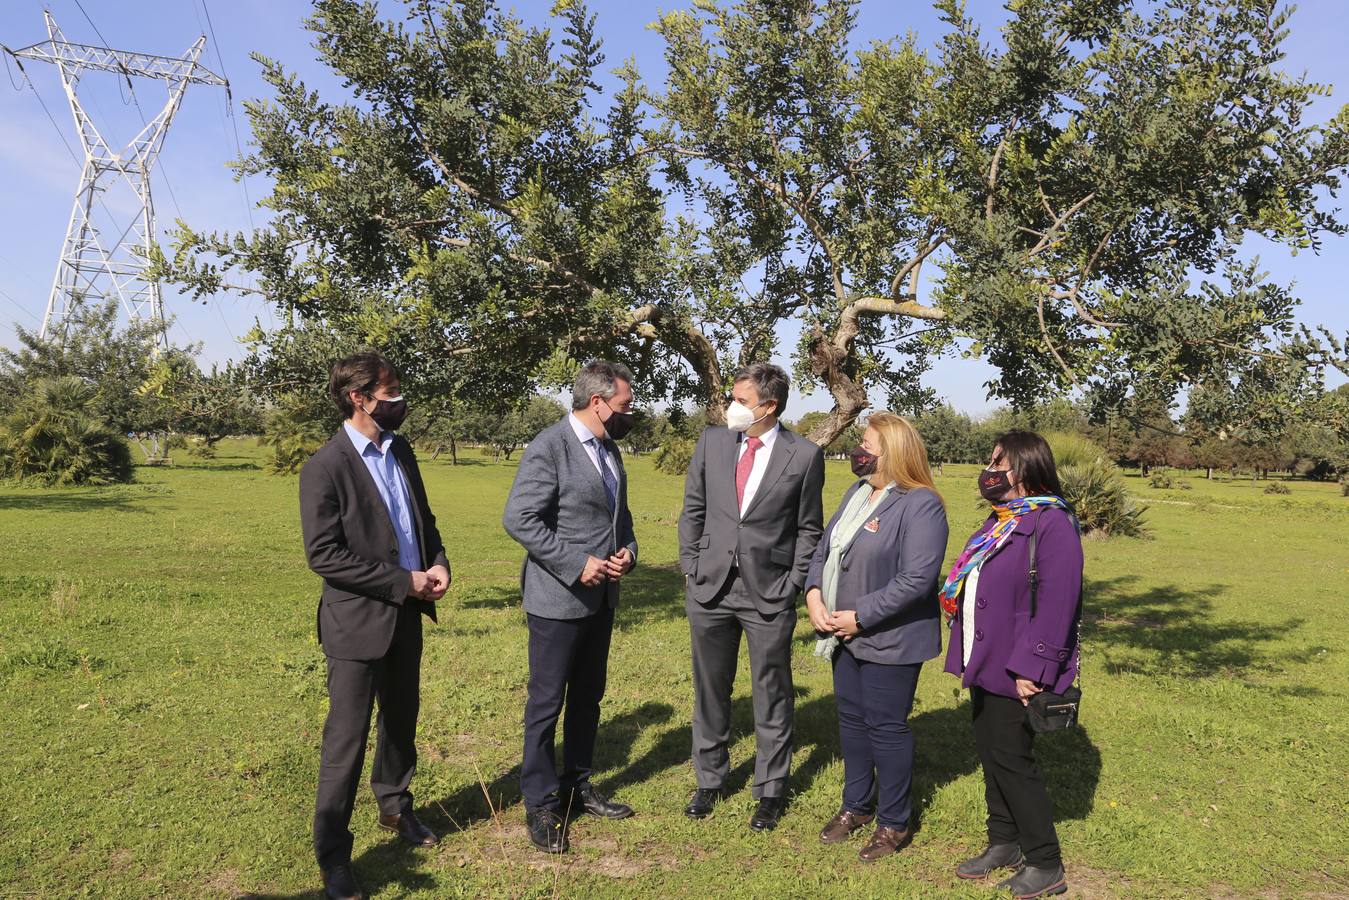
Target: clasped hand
<point>597,571</point>
<point>430,585</point>
<point>840,623</point>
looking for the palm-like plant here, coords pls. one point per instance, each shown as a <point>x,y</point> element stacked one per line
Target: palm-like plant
<point>52,437</point>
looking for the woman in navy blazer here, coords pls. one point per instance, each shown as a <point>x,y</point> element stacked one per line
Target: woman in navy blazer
<point>1005,656</point>
<point>872,596</point>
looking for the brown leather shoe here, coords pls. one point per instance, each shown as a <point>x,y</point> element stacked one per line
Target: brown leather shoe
<point>841,826</point>
<point>884,842</point>
<point>410,829</point>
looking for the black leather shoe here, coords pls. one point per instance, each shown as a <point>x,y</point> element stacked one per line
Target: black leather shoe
<point>994,857</point>
<point>766,817</point>
<point>592,802</point>
<point>1032,881</point>
<point>701,803</point>
<point>339,882</point>
<point>547,830</point>
<point>410,829</point>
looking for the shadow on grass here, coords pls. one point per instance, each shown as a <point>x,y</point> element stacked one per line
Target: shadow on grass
<point>649,594</point>
<point>83,502</point>
<point>1165,630</point>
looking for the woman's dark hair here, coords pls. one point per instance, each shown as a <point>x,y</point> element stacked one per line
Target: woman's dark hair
<point>1029,456</point>
<point>358,372</point>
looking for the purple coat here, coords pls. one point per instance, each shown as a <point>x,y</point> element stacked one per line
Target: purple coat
<point>1008,643</point>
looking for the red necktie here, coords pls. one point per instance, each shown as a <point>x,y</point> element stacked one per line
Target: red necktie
<point>743,468</point>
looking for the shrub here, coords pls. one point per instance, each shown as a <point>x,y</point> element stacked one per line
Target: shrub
<point>52,437</point>
<point>1161,480</point>
<point>296,428</point>
<point>1095,487</point>
<point>1277,487</point>
<point>674,456</point>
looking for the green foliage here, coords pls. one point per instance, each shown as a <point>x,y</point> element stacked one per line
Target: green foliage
<point>479,211</point>
<point>674,455</point>
<point>1095,487</point>
<point>1162,480</point>
<point>297,426</point>
<point>53,436</point>
<point>1277,487</point>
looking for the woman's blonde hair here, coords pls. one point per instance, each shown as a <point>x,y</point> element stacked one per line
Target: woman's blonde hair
<point>903,453</point>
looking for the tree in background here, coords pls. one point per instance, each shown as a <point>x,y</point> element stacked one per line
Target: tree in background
<point>1064,187</point>
<point>53,434</point>
<point>468,213</point>
<point>136,386</point>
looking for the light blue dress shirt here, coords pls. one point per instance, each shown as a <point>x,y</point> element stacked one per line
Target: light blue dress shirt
<point>393,489</point>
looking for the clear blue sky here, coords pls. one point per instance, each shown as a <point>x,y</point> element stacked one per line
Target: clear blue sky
<point>38,176</point>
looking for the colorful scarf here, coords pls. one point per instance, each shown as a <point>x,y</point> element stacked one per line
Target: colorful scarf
<point>978,547</point>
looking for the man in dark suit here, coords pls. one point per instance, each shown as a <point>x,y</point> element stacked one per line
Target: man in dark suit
<point>370,534</point>
<point>568,508</point>
<point>752,517</point>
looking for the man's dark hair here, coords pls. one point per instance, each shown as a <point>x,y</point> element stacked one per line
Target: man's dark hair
<point>598,377</point>
<point>358,372</point>
<point>1032,460</point>
<point>770,382</point>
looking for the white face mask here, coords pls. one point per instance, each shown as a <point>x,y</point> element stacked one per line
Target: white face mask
<point>740,417</point>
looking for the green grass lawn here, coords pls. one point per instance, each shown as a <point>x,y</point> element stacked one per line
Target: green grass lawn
<point>163,697</point>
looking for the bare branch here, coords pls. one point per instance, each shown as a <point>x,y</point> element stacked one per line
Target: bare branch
<point>1049,342</point>
<point>992,181</point>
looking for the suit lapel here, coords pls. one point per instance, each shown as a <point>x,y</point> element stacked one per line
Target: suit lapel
<point>365,482</point>
<point>731,460</point>
<point>416,490</point>
<point>591,472</point>
<point>891,499</point>
<point>783,448</point>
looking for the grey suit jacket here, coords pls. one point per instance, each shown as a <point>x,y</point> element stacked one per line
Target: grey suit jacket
<point>890,576</point>
<point>773,543</point>
<point>349,540</point>
<point>559,512</point>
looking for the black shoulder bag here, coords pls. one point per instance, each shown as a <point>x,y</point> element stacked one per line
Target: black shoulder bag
<point>1047,711</point>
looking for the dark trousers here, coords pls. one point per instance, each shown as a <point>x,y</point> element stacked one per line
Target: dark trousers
<point>1019,810</point>
<point>353,686</point>
<point>874,702</point>
<point>568,664</point>
<point>715,630</point>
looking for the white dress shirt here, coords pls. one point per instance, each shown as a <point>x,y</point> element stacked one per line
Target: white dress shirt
<point>760,463</point>
<point>589,441</point>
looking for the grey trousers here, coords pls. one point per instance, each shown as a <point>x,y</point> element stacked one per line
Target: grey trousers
<point>715,630</point>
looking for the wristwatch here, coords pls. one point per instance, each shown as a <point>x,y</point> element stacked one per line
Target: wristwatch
<point>858,619</point>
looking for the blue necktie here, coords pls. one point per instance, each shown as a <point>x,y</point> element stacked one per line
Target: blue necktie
<point>607,474</point>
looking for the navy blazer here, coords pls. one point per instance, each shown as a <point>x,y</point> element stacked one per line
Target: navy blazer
<point>890,576</point>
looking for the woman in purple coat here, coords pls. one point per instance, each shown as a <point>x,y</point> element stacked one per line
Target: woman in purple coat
<point>1005,656</point>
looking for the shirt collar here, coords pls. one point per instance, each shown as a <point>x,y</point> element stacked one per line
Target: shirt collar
<point>583,432</point>
<point>768,437</point>
<point>361,442</point>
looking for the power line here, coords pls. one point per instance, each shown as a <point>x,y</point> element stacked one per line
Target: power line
<point>131,88</point>
<point>229,107</point>
<point>19,306</point>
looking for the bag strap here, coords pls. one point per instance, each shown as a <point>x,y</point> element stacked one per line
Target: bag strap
<point>1034,577</point>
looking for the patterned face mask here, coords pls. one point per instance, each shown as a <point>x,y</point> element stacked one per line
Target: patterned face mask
<point>993,485</point>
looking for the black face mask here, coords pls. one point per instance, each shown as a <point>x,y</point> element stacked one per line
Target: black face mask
<point>618,424</point>
<point>389,414</point>
<point>863,462</point>
<point>993,485</point>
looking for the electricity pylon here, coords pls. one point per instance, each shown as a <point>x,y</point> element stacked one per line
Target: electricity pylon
<point>91,268</point>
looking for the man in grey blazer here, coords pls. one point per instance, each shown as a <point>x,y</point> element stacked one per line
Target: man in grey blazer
<point>752,517</point>
<point>568,508</point>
